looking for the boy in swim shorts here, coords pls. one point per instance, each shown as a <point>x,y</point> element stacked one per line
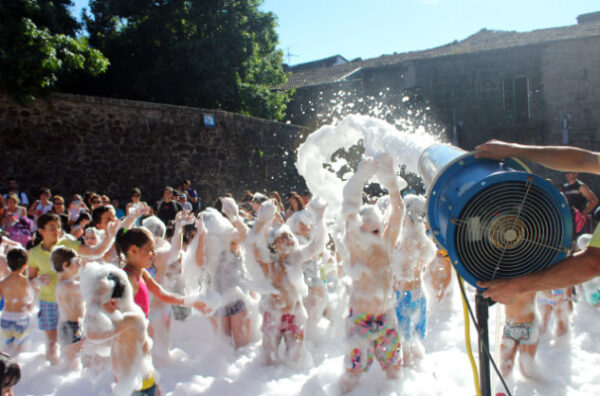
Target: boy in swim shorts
<point>67,263</point>
<point>18,295</point>
<point>520,333</point>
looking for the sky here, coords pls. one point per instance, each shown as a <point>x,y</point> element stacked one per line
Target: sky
<point>314,29</point>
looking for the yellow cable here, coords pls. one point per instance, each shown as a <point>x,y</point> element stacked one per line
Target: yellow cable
<point>468,340</point>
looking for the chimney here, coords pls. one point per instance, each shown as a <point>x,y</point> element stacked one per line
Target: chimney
<point>592,17</point>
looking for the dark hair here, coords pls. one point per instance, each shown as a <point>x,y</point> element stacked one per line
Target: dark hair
<point>16,259</point>
<point>61,255</point>
<point>169,232</point>
<point>128,238</point>
<point>306,193</point>
<point>294,195</point>
<point>98,212</point>
<point>219,206</point>
<point>119,288</point>
<point>83,216</point>
<point>45,190</point>
<point>47,218</point>
<point>136,191</point>
<point>246,196</point>
<point>10,372</point>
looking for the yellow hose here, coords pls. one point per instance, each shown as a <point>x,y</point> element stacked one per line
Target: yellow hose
<point>468,340</point>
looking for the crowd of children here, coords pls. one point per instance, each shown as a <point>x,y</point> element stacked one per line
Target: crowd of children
<point>100,280</point>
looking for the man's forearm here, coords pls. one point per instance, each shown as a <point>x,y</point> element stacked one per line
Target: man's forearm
<point>569,272</point>
<point>560,158</point>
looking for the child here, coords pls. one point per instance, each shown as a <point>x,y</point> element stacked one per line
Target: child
<point>49,228</point>
<point>219,253</point>
<point>136,247</point>
<point>70,305</point>
<point>412,253</point>
<point>10,374</point>
<point>18,296</point>
<point>280,258</point>
<point>372,329</point>
<point>520,333</point>
<point>112,316</point>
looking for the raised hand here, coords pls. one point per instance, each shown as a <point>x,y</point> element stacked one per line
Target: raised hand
<point>200,224</point>
<point>318,206</point>
<point>230,208</point>
<point>267,209</point>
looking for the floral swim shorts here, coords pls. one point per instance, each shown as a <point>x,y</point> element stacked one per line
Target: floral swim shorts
<point>372,336</point>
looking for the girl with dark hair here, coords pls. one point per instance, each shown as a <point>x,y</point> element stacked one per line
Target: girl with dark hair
<point>136,248</point>
<point>296,204</point>
<point>10,374</point>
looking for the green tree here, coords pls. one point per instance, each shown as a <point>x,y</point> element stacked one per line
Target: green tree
<point>38,46</point>
<point>210,53</point>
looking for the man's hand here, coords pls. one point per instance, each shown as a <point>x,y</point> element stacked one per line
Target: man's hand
<point>496,149</point>
<point>503,291</point>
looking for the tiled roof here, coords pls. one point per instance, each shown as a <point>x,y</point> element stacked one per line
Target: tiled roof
<point>484,40</point>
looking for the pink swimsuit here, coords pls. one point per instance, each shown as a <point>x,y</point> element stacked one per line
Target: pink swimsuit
<point>141,298</point>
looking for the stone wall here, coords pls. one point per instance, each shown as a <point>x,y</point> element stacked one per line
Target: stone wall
<point>76,143</point>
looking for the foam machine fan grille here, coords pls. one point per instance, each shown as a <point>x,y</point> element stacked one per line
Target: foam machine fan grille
<point>509,229</point>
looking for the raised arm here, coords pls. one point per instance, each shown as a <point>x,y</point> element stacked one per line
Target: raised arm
<point>562,158</point>
<point>265,216</point>
<point>319,234</point>
<point>230,209</point>
<point>354,186</point>
<point>201,235</point>
<point>135,213</point>
<point>387,177</point>
<point>101,249</point>
<point>181,219</point>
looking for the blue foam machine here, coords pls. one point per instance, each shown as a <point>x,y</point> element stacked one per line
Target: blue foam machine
<point>494,218</point>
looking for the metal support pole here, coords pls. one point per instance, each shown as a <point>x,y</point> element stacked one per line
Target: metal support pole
<point>482,313</point>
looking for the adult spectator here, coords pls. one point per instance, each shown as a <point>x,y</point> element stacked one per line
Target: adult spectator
<point>187,206</point>
<point>120,213</point>
<point>190,194</point>
<point>76,207</point>
<point>13,187</point>
<point>167,209</point>
<point>41,205</point>
<point>572,270</point>
<point>95,201</point>
<point>15,221</point>
<point>579,194</point>
<point>582,202</point>
<point>58,207</point>
<point>306,196</point>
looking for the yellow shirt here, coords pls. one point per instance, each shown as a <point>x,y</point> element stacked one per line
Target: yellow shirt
<point>40,258</point>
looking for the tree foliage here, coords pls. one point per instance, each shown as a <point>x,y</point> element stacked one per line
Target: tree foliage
<point>38,45</point>
<point>206,53</point>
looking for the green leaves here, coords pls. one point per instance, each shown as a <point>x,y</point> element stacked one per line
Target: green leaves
<point>33,57</point>
<point>211,54</point>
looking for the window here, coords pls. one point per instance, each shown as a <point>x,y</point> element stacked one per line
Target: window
<point>516,99</point>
